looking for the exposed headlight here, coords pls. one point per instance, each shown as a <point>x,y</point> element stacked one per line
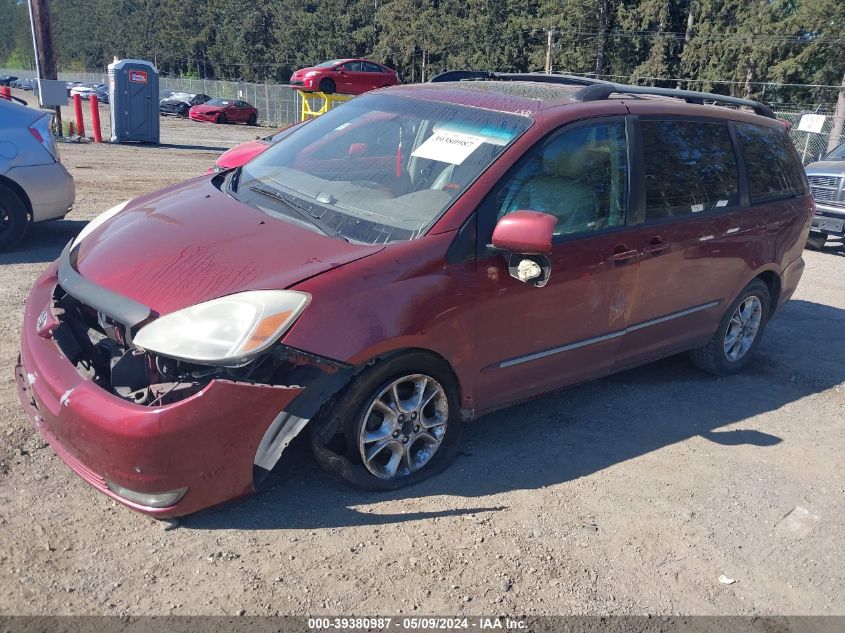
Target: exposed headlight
<point>100,219</point>
<point>224,331</point>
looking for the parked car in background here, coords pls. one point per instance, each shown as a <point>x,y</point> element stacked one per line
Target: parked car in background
<point>827,184</point>
<point>23,84</point>
<point>224,111</point>
<point>399,265</point>
<point>7,80</point>
<point>245,152</point>
<point>85,90</point>
<point>34,185</point>
<point>344,76</point>
<point>179,103</point>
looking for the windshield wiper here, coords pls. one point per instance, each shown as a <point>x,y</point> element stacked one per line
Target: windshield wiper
<point>302,211</point>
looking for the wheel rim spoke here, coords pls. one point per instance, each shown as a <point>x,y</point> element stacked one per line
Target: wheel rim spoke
<point>743,328</point>
<point>403,427</point>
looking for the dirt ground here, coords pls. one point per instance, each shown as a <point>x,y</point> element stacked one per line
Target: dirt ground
<point>631,494</point>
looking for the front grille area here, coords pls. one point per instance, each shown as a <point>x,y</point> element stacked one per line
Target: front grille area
<point>823,195</point>
<point>96,345</point>
<point>826,188</point>
<point>824,181</point>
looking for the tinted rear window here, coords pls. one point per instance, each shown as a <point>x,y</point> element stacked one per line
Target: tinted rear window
<point>771,163</point>
<point>690,167</point>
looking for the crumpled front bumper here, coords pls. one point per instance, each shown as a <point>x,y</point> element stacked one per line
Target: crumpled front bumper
<point>206,442</point>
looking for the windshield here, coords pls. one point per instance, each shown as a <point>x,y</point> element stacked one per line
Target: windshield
<point>837,154</point>
<point>218,102</point>
<point>380,168</point>
<point>328,64</point>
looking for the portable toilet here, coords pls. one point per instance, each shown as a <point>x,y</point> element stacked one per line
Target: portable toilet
<point>133,92</point>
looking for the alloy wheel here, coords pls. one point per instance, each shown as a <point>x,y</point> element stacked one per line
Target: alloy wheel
<point>403,427</point>
<point>743,327</point>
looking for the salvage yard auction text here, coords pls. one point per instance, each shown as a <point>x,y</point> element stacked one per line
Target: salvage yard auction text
<point>416,624</point>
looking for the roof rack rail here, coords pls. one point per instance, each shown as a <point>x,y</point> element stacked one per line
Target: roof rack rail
<point>599,89</point>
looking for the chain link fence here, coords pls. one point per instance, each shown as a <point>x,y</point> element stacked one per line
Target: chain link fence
<point>811,146</point>
<point>279,105</point>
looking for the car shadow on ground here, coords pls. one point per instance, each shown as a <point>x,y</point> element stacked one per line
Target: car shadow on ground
<point>572,433</point>
<point>43,242</point>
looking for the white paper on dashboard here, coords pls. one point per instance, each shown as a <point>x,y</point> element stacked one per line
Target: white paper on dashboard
<point>448,147</point>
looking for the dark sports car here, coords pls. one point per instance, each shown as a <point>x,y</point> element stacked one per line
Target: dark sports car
<point>179,103</point>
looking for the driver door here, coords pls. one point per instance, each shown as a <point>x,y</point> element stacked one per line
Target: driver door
<point>535,339</point>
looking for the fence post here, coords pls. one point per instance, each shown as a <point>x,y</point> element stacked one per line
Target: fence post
<point>95,119</point>
<point>77,108</point>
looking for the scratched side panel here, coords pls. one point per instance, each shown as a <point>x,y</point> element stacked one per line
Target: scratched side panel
<point>407,296</point>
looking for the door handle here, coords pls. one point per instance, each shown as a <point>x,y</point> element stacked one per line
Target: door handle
<point>656,245</point>
<point>622,256</point>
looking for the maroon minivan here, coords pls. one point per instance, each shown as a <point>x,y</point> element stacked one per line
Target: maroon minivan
<point>410,260</point>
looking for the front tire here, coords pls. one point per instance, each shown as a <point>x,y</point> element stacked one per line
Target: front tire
<point>327,86</point>
<point>14,219</point>
<point>253,119</point>
<point>739,333</point>
<point>396,424</point>
<point>221,119</point>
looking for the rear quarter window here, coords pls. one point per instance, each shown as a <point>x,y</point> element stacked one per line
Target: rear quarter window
<point>690,167</point>
<point>771,163</point>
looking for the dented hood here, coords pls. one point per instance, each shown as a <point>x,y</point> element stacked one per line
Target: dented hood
<point>192,242</point>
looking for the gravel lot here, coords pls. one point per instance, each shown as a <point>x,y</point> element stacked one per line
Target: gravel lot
<point>631,494</point>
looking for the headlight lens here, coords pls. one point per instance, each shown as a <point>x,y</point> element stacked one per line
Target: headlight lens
<point>225,331</point>
<point>100,219</point>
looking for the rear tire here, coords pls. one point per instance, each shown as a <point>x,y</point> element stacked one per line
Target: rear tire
<point>738,335</point>
<point>253,119</point>
<point>221,119</point>
<point>327,86</point>
<point>342,432</point>
<point>14,219</point>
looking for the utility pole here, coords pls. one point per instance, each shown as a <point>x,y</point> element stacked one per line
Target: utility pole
<point>838,119</point>
<point>549,43</point>
<point>42,42</point>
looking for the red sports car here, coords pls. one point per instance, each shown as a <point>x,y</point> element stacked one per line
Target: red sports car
<point>225,111</point>
<point>345,76</point>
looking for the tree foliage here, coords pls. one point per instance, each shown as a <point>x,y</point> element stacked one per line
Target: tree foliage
<point>729,46</point>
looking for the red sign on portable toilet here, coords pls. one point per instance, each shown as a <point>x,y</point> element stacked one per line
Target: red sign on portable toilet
<point>138,76</point>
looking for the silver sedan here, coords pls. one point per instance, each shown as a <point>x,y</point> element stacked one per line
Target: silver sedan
<point>34,185</point>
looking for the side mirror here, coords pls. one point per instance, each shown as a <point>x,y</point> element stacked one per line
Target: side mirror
<point>525,232</point>
<point>525,239</point>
